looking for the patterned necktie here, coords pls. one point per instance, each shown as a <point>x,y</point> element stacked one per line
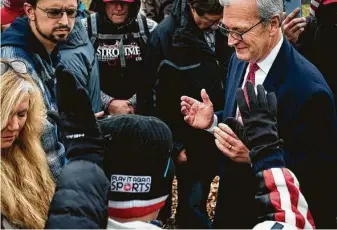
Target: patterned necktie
<point>253,67</point>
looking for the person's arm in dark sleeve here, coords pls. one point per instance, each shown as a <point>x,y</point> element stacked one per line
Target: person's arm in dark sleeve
<point>147,94</point>
<point>279,198</point>
<point>80,199</point>
<point>280,203</point>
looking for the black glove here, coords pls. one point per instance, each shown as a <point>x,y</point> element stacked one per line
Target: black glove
<point>259,118</point>
<point>81,135</point>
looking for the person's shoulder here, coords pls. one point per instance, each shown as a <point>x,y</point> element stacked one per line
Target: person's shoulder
<point>306,72</point>
<point>303,79</point>
<point>17,53</point>
<point>165,26</point>
<point>297,67</point>
<point>12,51</point>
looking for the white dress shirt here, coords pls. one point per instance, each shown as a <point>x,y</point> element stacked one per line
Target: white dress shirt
<point>260,75</point>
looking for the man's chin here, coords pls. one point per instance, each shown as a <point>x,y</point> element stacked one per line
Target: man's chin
<point>118,20</point>
<point>242,55</point>
<point>61,38</point>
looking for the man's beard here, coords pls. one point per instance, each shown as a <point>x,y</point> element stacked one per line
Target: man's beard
<point>52,37</point>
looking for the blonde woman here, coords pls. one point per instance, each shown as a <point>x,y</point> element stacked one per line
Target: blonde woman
<point>26,182</point>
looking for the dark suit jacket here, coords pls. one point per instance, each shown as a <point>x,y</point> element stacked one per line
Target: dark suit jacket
<point>307,123</point>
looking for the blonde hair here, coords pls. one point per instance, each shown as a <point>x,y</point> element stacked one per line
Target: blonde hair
<point>27,186</point>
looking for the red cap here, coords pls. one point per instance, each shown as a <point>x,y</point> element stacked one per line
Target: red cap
<point>326,2</point>
<point>130,1</point>
<point>11,9</point>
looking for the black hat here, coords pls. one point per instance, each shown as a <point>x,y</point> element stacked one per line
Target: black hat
<point>137,164</point>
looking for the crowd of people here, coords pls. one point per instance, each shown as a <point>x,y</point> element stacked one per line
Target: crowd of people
<point>102,107</point>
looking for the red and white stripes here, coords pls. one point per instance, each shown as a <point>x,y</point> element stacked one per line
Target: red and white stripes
<point>287,199</point>
<point>314,4</point>
<point>135,208</point>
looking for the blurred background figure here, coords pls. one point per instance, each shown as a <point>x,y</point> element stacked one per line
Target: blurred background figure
<point>316,38</point>
<point>26,181</point>
<point>11,9</point>
<point>157,9</point>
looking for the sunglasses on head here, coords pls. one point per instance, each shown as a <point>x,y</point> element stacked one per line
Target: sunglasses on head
<point>18,66</point>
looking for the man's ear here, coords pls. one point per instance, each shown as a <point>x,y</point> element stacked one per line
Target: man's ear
<point>275,24</point>
<point>30,11</point>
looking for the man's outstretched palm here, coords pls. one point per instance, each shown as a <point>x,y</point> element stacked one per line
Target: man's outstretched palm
<point>198,114</point>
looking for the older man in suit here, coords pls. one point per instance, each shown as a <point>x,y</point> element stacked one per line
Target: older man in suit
<point>306,116</point>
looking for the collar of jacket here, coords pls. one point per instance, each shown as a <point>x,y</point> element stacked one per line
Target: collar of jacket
<point>19,34</point>
<point>187,34</point>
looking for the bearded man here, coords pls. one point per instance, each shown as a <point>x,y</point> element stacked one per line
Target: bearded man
<point>33,40</point>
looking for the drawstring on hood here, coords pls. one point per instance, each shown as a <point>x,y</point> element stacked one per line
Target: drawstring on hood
<point>121,53</point>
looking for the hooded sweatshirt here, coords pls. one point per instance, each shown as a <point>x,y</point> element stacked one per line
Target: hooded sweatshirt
<point>120,53</point>
<point>19,43</point>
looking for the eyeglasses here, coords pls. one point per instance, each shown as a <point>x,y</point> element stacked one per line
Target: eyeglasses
<point>18,66</point>
<point>235,34</point>
<point>56,13</point>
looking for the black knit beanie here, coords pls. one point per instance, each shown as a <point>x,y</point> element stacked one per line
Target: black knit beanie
<point>137,164</point>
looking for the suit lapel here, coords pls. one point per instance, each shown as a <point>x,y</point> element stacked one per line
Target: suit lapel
<point>238,70</point>
<point>276,72</point>
<point>235,82</point>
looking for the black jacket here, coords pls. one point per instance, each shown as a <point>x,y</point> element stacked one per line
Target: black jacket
<point>80,199</point>
<point>180,62</point>
<point>318,43</point>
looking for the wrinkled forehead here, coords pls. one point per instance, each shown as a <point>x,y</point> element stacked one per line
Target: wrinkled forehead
<point>58,3</point>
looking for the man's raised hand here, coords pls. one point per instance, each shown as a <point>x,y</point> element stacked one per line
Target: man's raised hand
<point>198,114</point>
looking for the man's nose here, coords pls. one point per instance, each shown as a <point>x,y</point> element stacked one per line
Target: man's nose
<point>64,19</point>
<point>119,7</point>
<point>232,41</point>
<point>13,124</point>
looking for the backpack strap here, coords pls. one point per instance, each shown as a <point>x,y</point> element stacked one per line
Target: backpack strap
<point>90,23</point>
<point>143,27</point>
<point>118,36</point>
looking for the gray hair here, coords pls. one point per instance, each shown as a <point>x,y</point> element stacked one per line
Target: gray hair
<point>266,8</point>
